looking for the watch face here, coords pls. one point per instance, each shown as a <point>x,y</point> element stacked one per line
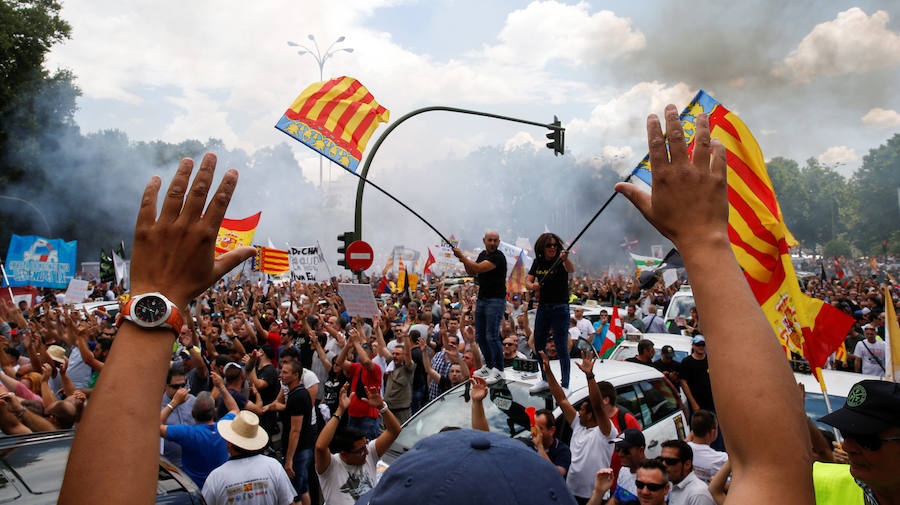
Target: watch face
<point>150,309</point>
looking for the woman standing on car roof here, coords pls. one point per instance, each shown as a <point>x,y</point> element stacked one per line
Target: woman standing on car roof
<point>551,287</point>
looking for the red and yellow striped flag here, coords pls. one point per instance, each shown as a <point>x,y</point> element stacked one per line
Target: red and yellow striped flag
<point>761,241</point>
<point>388,266</point>
<point>236,233</point>
<point>401,274</point>
<point>516,281</point>
<point>272,261</point>
<point>335,118</point>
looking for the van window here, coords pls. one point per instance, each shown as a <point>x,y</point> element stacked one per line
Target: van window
<point>659,400</point>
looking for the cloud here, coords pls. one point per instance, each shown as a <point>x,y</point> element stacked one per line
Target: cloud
<point>624,115</point>
<point>533,36</point>
<point>523,139</point>
<point>839,155</point>
<point>881,118</point>
<point>852,43</point>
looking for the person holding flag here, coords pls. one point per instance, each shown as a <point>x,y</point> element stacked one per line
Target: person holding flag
<point>552,290</point>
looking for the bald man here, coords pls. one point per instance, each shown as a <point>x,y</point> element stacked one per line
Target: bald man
<point>490,270</point>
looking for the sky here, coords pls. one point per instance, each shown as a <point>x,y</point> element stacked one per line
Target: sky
<point>810,79</point>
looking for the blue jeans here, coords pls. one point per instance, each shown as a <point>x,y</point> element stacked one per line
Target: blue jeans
<point>418,399</point>
<point>488,316</point>
<point>555,317</point>
<point>367,425</point>
<point>302,459</point>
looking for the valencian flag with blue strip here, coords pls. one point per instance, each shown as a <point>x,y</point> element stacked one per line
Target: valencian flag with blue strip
<point>269,260</point>
<point>760,239</point>
<point>334,118</point>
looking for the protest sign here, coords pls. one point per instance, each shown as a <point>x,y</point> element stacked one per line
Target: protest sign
<point>359,300</point>
<point>77,291</point>
<point>512,253</point>
<point>307,264</point>
<point>40,262</point>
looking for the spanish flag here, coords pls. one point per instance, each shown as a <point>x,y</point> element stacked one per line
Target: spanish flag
<point>334,118</point>
<point>236,233</point>
<point>760,239</point>
<point>272,261</point>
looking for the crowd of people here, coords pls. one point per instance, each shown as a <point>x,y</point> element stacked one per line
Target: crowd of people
<point>275,394</point>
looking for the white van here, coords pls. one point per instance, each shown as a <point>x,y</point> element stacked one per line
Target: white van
<point>642,391</point>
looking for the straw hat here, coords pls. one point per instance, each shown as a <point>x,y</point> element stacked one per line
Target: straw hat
<point>57,353</point>
<point>243,431</point>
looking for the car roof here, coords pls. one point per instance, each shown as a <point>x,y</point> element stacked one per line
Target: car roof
<point>678,342</point>
<point>616,373</point>
<point>837,382</point>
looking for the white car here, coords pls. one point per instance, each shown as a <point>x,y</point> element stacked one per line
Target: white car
<point>591,312</point>
<point>628,347</point>
<point>838,385</point>
<point>642,391</point>
<point>680,304</point>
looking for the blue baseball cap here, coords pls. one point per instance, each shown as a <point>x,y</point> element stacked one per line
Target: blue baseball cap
<point>698,339</point>
<point>455,466</point>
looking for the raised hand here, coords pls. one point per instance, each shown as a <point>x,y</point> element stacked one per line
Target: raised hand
<point>479,388</point>
<point>180,396</point>
<point>587,363</point>
<point>603,481</point>
<point>174,253</point>
<point>344,398</point>
<point>673,206</point>
<point>374,398</point>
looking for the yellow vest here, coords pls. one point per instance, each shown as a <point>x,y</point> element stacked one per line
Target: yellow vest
<point>835,486</point>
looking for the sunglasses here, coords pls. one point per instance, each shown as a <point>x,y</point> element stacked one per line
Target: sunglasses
<point>508,344</point>
<point>868,442</point>
<point>552,245</point>
<point>651,485</point>
<point>669,461</point>
<point>700,344</point>
<point>178,386</point>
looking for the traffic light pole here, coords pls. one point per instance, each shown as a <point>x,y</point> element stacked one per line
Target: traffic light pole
<point>556,136</point>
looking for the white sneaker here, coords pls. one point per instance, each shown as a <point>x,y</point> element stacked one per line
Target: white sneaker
<point>540,386</point>
<point>494,375</point>
<point>483,372</point>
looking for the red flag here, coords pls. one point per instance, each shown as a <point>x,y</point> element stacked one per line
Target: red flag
<point>430,261</point>
<point>614,332</point>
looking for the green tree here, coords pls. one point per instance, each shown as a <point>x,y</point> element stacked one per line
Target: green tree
<point>875,187</point>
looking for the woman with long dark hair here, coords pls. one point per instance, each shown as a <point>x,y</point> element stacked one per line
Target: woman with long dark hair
<point>552,290</point>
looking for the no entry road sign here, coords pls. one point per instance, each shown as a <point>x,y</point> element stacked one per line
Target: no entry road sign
<point>359,256</point>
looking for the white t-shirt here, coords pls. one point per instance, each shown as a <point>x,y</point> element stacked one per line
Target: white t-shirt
<point>707,461</point>
<point>591,451</point>
<point>343,484</point>
<point>872,356</point>
<point>257,480</point>
<point>575,333</point>
<point>586,328</point>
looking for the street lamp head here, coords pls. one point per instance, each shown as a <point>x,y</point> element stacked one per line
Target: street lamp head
<point>292,43</point>
<point>310,37</point>
<point>301,52</point>
<point>340,39</point>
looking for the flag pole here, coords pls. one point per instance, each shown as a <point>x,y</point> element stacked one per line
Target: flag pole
<point>6,280</point>
<point>821,379</point>
<point>588,225</point>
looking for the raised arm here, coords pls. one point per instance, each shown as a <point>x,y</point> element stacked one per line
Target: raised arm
<point>689,205</point>
<point>430,372</point>
<point>322,454</point>
<point>391,424</point>
<point>556,390</point>
<point>471,267</point>
<point>173,255</point>
<point>587,366</point>
<point>479,393</point>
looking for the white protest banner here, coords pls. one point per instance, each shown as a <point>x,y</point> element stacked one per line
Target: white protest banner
<point>77,291</point>
<point>359,300</point>
<point>512,254</point>
<point>307,264</point>
<point>670,275</point>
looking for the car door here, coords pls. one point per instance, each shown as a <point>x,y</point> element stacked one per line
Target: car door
<point>661,414</point>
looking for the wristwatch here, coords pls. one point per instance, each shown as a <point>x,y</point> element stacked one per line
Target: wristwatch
<point>151,310</point>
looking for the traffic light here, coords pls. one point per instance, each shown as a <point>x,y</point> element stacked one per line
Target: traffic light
<point>557,137</point>
<point>884,247</point>
<point>346,239</point>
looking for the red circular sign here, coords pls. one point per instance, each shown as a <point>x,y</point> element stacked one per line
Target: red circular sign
<point>359,256</point>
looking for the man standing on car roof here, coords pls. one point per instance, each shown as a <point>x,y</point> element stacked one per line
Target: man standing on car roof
<point>667,364</point>
<point>490,271</point>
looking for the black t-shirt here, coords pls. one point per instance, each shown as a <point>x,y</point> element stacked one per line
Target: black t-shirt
<point>298,403</point>
<point>270,375</point>
<point>239,398</point>
<point>556,287</point>
<point>634,359</point>
<point>419,372</point>
<point>672,366</point>
<point>331,390</point>
<point>696,373</point>
<point>492,284</point>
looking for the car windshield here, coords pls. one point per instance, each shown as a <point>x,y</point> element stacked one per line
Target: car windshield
<point>815,406</point>
<point>681,306</point>
<point>504,408</point>
<point>625,352</point>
